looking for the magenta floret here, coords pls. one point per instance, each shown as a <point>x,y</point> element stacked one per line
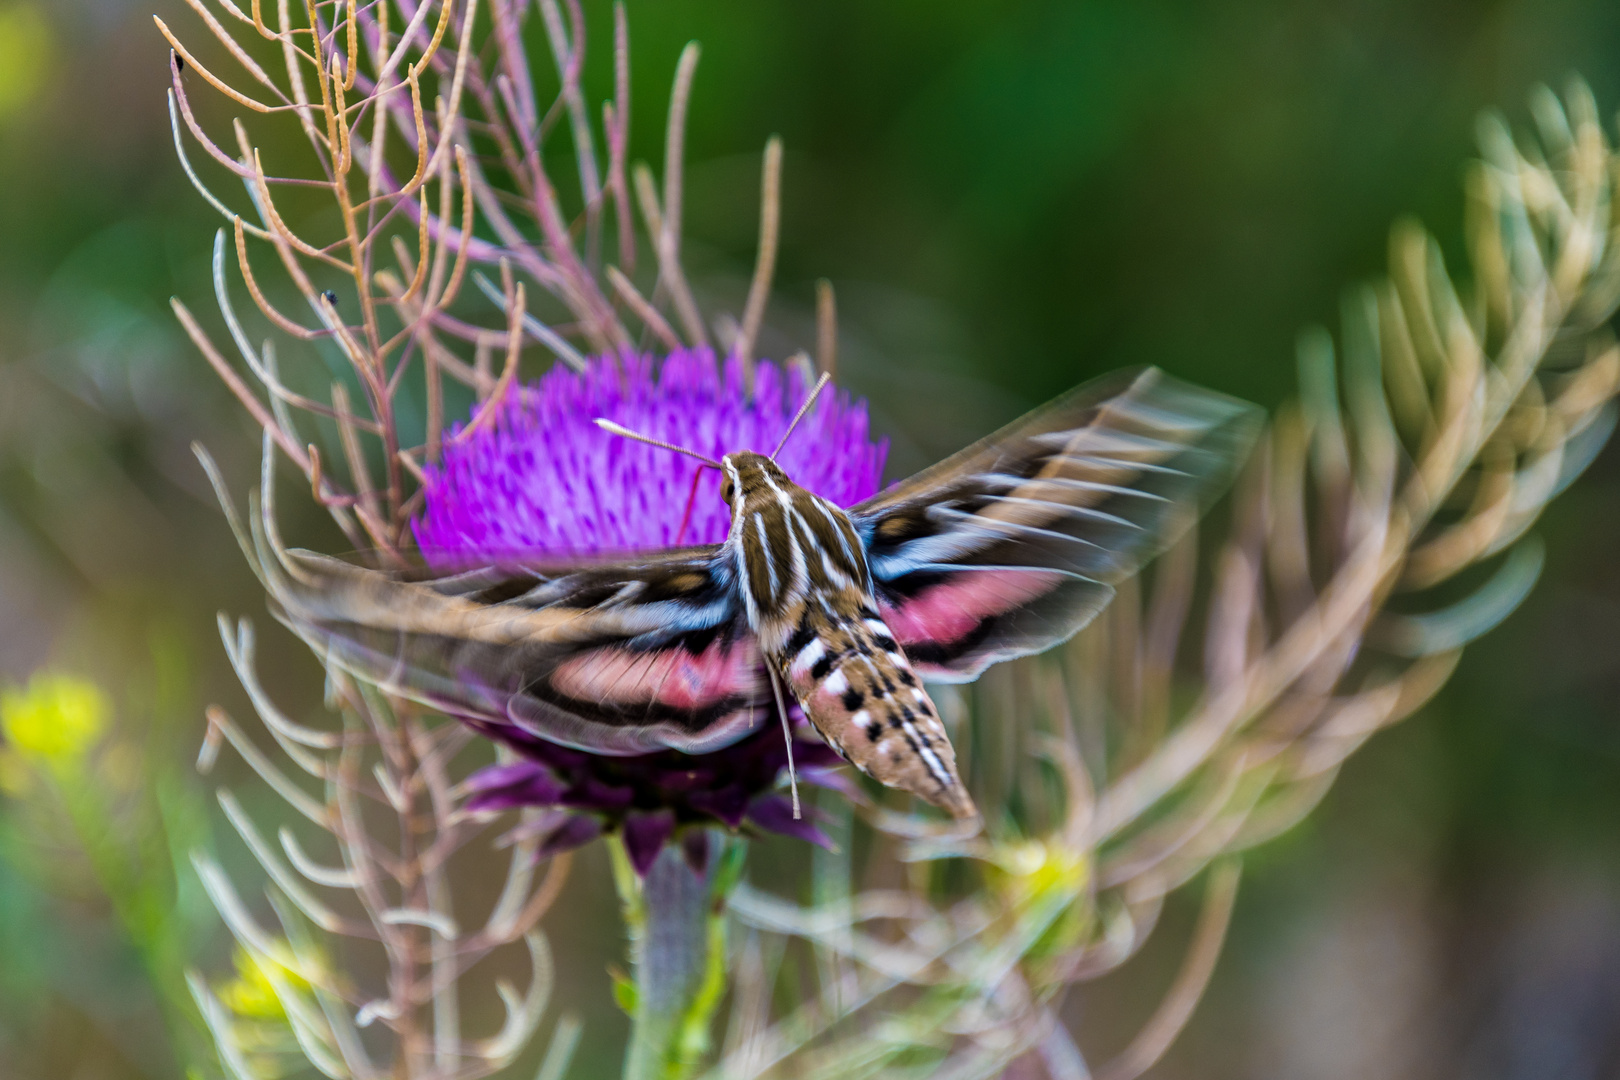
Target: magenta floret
<point>543,478</point>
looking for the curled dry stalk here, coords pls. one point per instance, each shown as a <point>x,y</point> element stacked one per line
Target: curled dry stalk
<point>389,810</point>
<point>421,131</point>
<point>1419,455</point>
<point>422,126</point>
<point>389,891</point>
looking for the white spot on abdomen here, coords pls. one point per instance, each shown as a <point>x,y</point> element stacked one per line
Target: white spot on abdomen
<point>807,658</point>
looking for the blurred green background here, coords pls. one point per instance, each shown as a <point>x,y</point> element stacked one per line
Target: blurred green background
<point>1009,197</point>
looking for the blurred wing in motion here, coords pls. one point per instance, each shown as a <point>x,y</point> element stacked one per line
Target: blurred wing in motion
<point>1013,544</point>
<point>621,658</point>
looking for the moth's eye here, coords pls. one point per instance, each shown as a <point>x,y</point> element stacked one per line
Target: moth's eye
<point>727,490</point>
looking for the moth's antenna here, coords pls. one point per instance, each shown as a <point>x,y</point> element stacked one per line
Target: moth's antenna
<point>826,377</point>
<point>787,737</point>
<point>610,426</point>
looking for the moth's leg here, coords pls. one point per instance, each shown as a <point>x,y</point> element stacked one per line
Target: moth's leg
<point>787,734</point>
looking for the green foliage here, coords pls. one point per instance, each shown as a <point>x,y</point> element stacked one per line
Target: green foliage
<point>90,818</point>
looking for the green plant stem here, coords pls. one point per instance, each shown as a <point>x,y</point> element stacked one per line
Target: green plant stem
<point>131,867</point>
<point>677,922</point>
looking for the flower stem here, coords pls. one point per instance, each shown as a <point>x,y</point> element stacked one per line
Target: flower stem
<point>677,922</point>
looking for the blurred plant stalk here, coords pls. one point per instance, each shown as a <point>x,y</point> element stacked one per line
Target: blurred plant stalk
<point>389,766</point>
<point>127,815</point>
<point>1145,754</point>
<point>677,918</point>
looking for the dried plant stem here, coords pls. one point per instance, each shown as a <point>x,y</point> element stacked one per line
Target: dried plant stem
<point>1177,1008</point>
<point>826,328</point>
<point>759,291</point>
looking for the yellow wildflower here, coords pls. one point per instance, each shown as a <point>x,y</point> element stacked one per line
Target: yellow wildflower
<point>1032,868</point>
<point>1037,878</point>
<point>252,994</point>
<point>56,719</point>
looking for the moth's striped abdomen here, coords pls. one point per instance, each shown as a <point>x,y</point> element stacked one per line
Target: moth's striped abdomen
<point>858,689</point>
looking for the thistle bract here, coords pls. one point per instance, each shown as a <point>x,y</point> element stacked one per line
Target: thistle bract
<point>649,797</point>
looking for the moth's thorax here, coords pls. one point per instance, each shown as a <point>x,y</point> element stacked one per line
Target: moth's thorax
<point>789,546</point>
<point>756,479</point>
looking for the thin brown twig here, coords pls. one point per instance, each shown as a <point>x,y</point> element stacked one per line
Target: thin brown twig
<point>826,328</point>
<point>644,311</point>
<point>759,291</point>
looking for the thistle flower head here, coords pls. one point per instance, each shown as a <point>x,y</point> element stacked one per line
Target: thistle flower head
<point>544,479</point>
<point>56,719</point>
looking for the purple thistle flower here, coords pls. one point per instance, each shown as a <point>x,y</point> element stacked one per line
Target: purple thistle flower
<point>543,479</point>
